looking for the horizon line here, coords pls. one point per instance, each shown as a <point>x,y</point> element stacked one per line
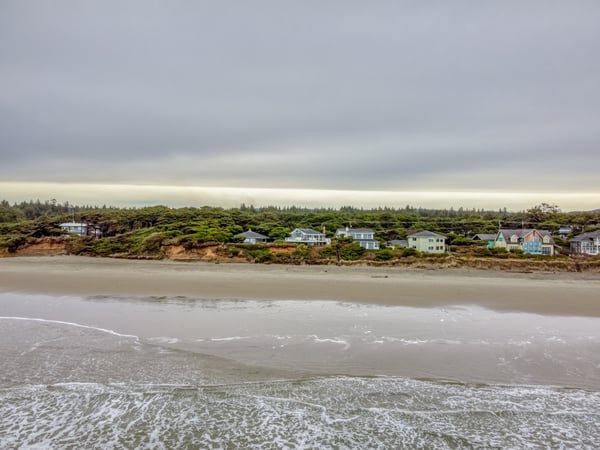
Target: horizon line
<point>123,194</point>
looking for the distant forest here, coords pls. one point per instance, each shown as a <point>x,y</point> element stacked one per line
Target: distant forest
<point>21,222</point>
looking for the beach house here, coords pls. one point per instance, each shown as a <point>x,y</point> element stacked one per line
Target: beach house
<point>364,236</point>
<point>307,236</point>
<point>252,237</point>
<point>586,244</point>
<point>427,241</point>
<point>530,241</point>
<point>77,228</point>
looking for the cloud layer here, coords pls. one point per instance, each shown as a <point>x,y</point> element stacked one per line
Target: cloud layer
<point>479,96</point>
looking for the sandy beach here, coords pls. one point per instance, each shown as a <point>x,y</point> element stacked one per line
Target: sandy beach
<point>542,293</point>
<point>129,353</point>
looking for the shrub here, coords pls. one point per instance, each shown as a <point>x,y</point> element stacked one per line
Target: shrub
<point>13,243</point>
<point>461,241</point>
<point>352,252</point>
<point>259,253</point>
<point>385,254</point>
<point>302,251</point>
<point>153,242</point>
<point>409,251</point>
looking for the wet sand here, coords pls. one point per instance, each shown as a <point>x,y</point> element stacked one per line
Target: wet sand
<point>541,292</point>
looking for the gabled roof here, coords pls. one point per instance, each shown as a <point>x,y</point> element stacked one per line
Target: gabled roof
<point>426,234</point>
<point>521,233</point>
<point>586,236</point>
<point>354,230</point>
<point>252,234</point>
<point>308,231</point>
<point>484,237</point>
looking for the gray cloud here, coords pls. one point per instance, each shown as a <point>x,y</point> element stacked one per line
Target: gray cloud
<point>347,95</point>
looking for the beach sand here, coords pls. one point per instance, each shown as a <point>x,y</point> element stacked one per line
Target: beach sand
<point>539,292</point>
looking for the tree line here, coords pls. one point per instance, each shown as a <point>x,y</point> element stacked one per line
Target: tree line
<point>190,225</point>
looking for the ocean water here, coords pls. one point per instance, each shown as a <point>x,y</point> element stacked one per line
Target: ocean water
<point>163,373</point>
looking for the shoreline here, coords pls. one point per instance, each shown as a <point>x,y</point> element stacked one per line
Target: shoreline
<point>548,293</point>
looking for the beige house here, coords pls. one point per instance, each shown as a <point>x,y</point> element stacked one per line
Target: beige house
<point>427,242</point>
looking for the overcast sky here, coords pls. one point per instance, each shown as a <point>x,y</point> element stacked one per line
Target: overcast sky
<point>401,96</point>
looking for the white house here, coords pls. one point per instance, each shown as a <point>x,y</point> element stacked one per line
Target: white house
<point>307,236</point>
<point>80,229</point>
<point>364,236</point>
<point>427,241</point>
<point>586,244</point>
<point>252,237</point>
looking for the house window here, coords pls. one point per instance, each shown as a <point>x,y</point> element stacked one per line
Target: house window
<point>430,248</point>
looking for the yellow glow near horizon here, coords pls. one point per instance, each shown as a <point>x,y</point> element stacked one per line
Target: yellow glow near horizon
<point>177,196</point>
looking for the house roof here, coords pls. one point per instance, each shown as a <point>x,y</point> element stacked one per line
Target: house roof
<point>484,237</point>
<point>252,234</point>
<point>402,242</point>
<point>308,231</point>
<point>355,230</point>
<point>426,234</point>
<point>73,224</point>
<point>586,236</point>
<point>521,233</point>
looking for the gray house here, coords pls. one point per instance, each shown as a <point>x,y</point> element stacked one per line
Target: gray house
<point>488,238</point>
<point>396,243</point>
<point>307,236</point>
<point>586,244</point>
<point>364,236</point>
<point>252,237</point>
<point>565,230</point>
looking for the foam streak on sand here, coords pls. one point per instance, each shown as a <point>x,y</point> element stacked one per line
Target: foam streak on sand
<point>71,324</point>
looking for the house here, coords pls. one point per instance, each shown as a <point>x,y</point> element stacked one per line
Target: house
<point>77,228</point>
<point>586,244</point>
<point>307,236</point>
<point>530,241</point>
<point>565,230</point>
<point>488,238</point>
<point>427,241</point>
<point>252,237</point>
<point>396,243</point>
<point>364,236</point>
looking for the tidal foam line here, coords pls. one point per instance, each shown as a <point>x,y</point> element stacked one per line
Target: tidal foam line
<point>72,324</point>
